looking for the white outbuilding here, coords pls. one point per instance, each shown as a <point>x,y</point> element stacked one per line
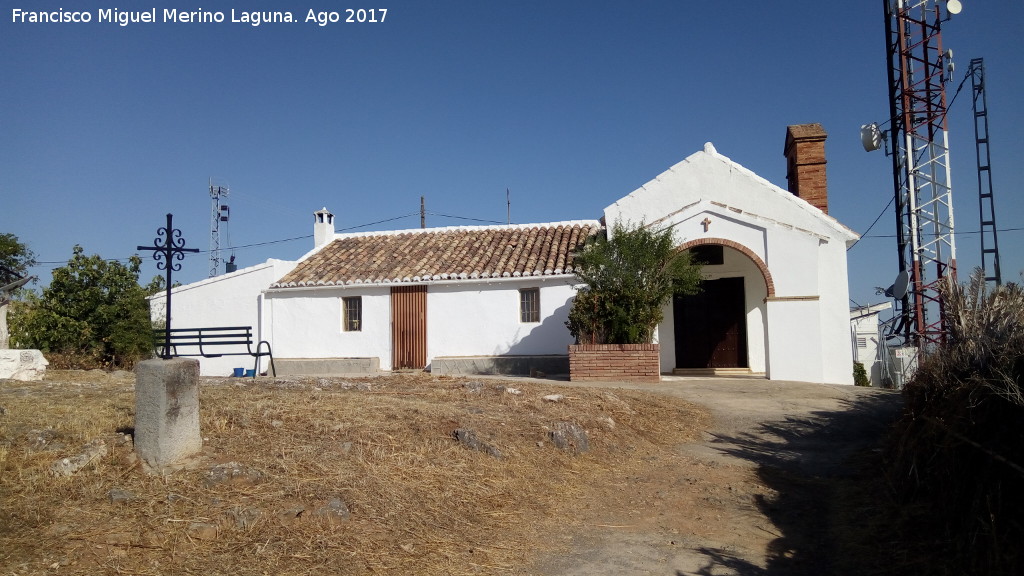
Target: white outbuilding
<point>494,299</point>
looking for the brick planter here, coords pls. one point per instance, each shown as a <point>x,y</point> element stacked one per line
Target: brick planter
<point>615,362</point>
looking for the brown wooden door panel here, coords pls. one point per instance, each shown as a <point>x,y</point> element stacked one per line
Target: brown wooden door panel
<point>711,327</point>
<point>408,327</point>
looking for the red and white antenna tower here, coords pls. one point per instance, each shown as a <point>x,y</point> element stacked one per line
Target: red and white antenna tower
<point>918,72</point>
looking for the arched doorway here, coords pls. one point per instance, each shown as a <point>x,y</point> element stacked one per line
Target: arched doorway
<point>711,326</point>
<point>723,327</point>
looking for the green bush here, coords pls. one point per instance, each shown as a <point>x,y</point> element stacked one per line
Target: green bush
<point>860,375</point>
<point>93,314</point>
<point>629,277</point>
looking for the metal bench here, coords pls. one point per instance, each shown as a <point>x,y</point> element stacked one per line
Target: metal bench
<point>208,341</point>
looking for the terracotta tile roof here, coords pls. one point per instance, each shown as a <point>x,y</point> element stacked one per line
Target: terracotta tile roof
<point>462,253</point>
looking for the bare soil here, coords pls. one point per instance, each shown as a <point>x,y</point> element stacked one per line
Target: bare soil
<point>783,482</point>
<point>689,476</point>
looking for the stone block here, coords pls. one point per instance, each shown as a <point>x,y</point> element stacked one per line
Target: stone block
<point>167,413</point>
<point>327,366</point>
<point>537,366</point>
<point>25,365</point>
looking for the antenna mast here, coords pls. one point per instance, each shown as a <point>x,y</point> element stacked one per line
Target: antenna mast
<point>986,203</point>
<point>921,168</point>
<point>219,212</point>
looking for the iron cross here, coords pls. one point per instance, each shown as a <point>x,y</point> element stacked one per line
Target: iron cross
<point>168,247</point>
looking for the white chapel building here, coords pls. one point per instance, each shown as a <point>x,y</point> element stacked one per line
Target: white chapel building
<point>494,299</point>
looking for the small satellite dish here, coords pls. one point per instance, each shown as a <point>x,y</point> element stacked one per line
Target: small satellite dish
<point>954,6</point>
<point>870,137</point>
<point>899,288</point>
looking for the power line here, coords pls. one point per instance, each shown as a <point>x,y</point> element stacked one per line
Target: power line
<point>465,218</point>
<point>959,232</point>
<point>877,218</point>
<point>58,263</point>
<point>377,222</point>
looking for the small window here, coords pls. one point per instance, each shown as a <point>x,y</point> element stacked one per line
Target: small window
<point>352,311</point>
<point>862,342</point>
<point>529,305</point>
<point>708,254</point>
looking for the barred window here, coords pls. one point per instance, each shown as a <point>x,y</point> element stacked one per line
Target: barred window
<point>352,314</point>
<point>862,342</point>
<point>529,305</point>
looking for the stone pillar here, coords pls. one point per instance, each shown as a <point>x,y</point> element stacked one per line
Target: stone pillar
<point>167,413</point>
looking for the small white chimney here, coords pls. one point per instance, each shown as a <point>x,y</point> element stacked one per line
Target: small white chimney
<point>323,227</point>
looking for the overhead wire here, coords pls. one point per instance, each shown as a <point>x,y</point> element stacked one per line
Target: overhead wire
<point>462,218</point>
<point>877,218</point>
<point>58,263</point>
<point>959,88</point>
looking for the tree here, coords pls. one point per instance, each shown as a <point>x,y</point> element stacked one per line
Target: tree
<point>629,277</point>
<point>15,258</point>
<point>93,310</point>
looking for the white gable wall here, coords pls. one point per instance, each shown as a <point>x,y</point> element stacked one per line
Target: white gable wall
<point>227,300</point>
<point>801,330</point>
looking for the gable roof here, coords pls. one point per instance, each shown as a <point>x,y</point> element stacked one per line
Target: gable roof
<point>707,174</point>
<point>456,253</point>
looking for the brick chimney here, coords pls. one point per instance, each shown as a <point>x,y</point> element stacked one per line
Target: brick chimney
<point>805,163</point>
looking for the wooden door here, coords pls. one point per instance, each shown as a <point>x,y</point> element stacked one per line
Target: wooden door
<point>408,327</point>
<point>711,327</point>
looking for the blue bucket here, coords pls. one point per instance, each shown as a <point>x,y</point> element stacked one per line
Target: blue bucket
<point>238,372</point>
<point>250,373</point>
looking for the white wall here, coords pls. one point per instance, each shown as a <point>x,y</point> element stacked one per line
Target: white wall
<point>467,318</point>
<point>482,319</point>
<point>794,333</point>
<point>864,324</point>
<point>307,323</point>
<point>226,300</point>
<point>837,357</point>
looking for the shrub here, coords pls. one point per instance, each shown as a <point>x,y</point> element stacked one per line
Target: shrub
<point>860,375</point>
<point>629,276</point>
<point>93,313</point>
<point>957,451</point>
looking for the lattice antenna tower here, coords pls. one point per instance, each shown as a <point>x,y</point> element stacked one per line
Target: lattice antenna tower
<point>986,201</point>
<point>219,213</point>
<point>921,169</point>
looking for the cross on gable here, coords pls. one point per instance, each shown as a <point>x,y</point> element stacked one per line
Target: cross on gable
<point>706,223</point>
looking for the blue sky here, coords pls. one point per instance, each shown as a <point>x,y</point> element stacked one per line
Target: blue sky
<point>570,105</point>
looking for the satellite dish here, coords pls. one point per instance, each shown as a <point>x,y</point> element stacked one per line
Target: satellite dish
<point>899,288</point>
<point>870,137</point>
<point>954,6</point>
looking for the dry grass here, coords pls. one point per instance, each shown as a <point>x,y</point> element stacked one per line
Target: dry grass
<point>420,502</point>
<point>957,456</point>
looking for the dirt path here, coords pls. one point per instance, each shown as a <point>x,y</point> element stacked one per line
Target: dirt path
<point>762,494</point>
